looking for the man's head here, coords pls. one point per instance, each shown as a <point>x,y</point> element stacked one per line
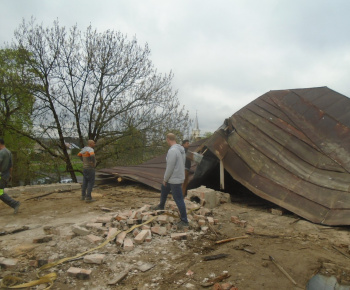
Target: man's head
<point>186,143</point>
<point>171,139</point>
<point>91,143</point>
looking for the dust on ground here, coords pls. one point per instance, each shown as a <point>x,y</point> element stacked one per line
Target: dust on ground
<point>301,248</point>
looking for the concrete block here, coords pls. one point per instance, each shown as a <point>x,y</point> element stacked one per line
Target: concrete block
<point>79,273</point>
<point>94,259</point>
<point>8,263</point>
<point>80,230</point>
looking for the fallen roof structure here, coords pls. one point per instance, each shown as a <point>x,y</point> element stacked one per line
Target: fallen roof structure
<point>290,147</point>
<point>150,173</point>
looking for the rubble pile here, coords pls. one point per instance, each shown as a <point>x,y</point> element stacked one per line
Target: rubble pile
<point>125,232</point>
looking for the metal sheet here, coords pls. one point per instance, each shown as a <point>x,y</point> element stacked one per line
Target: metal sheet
<point>292,147</point>
<point>149,173</point>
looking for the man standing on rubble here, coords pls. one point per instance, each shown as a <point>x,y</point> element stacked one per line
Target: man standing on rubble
<point>173,178</point>
<point>6,176</point>
<point>87,155</point>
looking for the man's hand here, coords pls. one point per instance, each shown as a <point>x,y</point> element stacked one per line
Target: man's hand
<point>164,183</point>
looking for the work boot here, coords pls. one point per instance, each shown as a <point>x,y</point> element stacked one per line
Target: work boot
<point>156,207</point>
<point>16,208</point>
<point>82,198</point>
<point>181,225</point>
<point>88,200</point>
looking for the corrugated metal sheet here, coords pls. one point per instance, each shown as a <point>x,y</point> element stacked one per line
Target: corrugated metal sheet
<point>292,147</point>
<point>150,173</point>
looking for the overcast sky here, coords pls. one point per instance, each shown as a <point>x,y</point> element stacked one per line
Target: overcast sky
<point>223,53</point>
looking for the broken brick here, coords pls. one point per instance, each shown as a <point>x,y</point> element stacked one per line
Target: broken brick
<point>128,244</point>
<point>94,239</point>
<point>112,232</point>
<point>120,238</point>
<point>162,231</point>
<point>140,238</point>
<point>44,239</point>
<point>178,236</point>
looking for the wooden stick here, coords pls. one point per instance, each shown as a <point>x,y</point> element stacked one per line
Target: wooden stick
<point>231,239</point>
<point>341,252</point>
<point>282,270</point>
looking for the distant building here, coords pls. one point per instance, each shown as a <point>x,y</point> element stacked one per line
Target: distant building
<point>196,132</point>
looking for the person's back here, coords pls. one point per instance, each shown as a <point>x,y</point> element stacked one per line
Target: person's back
<point>175,169</point>
<point>5,176</point>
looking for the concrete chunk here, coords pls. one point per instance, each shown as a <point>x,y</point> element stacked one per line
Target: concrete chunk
<point>94,259</point>
<point>80,231</point>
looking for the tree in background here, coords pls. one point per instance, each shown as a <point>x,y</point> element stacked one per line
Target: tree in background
<point>16,103</point>
<point>96,86</point>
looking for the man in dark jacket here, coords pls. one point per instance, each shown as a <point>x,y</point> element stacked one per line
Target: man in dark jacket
<point>6,176</point>
<point>186,145</point>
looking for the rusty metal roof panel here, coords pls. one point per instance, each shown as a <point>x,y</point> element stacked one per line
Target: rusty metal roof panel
<point>150,172</point>
<point>292,147</point>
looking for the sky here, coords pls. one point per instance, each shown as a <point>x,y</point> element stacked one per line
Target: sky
<point>223,53</point>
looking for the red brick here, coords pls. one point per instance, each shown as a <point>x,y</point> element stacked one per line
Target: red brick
<point>112,232</point>
<point>103,219</point>
<point>128,244</point>
<point>163,219</point>
<point>120,238</point>
<point>162,231</point>
<point>94,239</point>
<point>210,220</point>
<point>178,236</point>
<point>235,219</point>
<point>140,238</point>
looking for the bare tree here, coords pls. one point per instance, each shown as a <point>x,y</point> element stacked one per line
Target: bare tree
<point>96,86</point>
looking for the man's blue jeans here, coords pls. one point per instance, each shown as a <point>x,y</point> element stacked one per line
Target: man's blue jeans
<point>88,183</point>
<point>176,191</point>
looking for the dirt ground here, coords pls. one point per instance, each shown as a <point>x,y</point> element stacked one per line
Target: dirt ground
<point>301,248</point>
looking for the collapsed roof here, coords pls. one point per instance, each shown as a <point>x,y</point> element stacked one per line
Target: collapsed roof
<point>290,147</point>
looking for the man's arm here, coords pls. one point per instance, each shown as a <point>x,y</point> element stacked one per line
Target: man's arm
<point>170,165</point>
